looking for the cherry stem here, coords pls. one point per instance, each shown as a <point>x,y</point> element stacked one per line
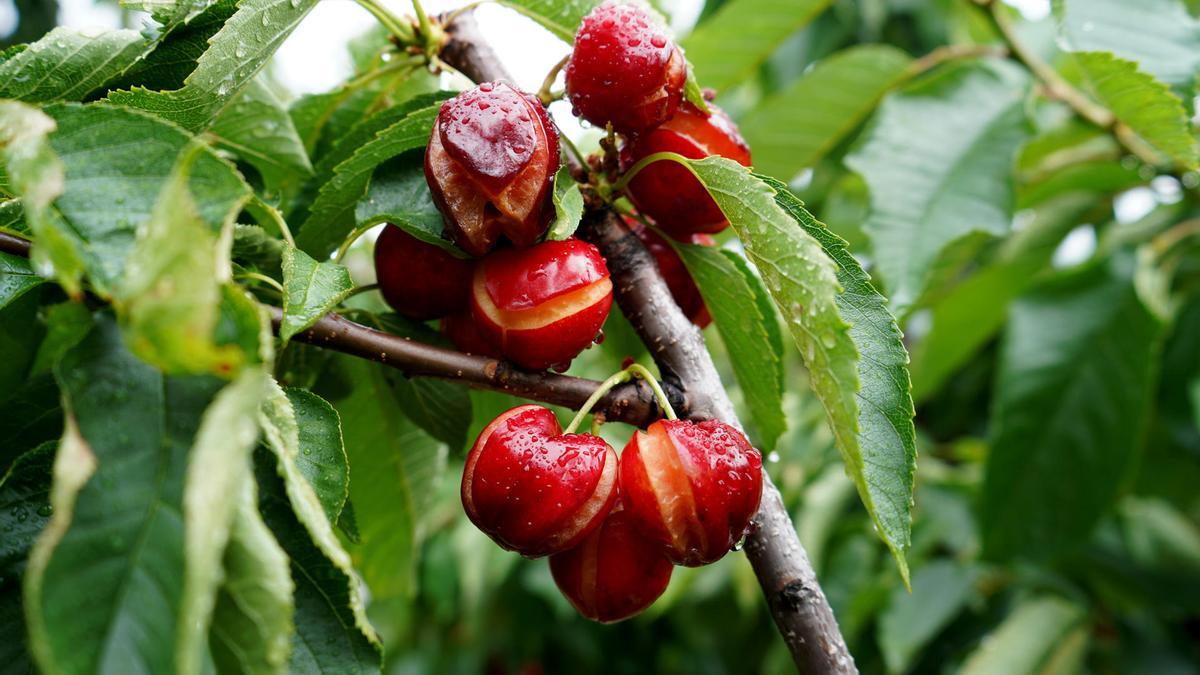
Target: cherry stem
<point>633,370</point>
<point>604,388</point>
<point>659,395</point>
<point>646,161</point>
<point>544,94</point>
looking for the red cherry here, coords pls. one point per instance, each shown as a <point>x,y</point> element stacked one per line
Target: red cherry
<point>624,69</point>
<point>534,490</point>
<point>542,305</point>
<point>420,280</point>
<point>464,334</point>
<point>675,273</point>
<point>613,574</point>
<point>692,487</point>
<point>667,191</point>
<point>490,163</point>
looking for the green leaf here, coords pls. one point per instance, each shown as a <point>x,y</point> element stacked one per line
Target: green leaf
<point>1071,399</point>
<point>171,12</point>
<point>322,459</point>
<point>311,290</point>
<point>568,206</point>
<point>750,332</point>
<point>234,56</point>
<point>692,91</point>
<point>12,216</point>
<point>971,313</point>
<point>219,464</point>
<point>1142,103</point>
<point>440,407</point>
<point>796,126</point>
<point>399,194</point>
<point>330,218</point>
<point>16,278</point>
<point>332,632</point>
<point>255,249</point>
<point>940,591</point>
<point>257,128</point>
<point>117,164</point>
<point>938,160</point>
<point>252,624</point>
<point>804,283</point>
<point>169,296</point>
<point>394,470</point>
<point>35,174</point>
<point>731,45</point>
<point>1159,35</point>
<point>560,17</point>
<point>177,48</point>
<point>886,440</point>
<point>68,64</point>
<point>32,416</point>
<point>1042,636</point>
<point>24,511</point>
<point>117,535</point>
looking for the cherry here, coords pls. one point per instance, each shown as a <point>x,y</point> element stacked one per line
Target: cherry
<point>667,191</point>
<point>420,280</point>
<point>675,273</point>
<point>613,574</point>
<point>490,163</point>
<point>533,489</point>
<point>464,334</point>
<point>542,305</point>
<point>692,487</point>
<point>624,69</point>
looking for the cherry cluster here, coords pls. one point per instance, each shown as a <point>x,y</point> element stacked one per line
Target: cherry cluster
<point>681,493</point>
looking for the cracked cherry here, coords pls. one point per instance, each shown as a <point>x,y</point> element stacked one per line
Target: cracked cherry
<point>533,489</point>
<point>674,272</point>
<point>666,191</point>
<point>490,163</point>
<point>419,280</point>
<point>692,487</point>
<point>541,306</point>
<point>613,574</point>
<point>624,69</point>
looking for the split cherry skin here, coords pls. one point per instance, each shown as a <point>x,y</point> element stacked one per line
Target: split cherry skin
<point>533,489</point>
<point>691,487</point>
<point>490,163</point>
<point>666,191</point>
<point>613,574</point>
<point>542,305</point>
<point>675,273</point>
<point>624,69</point>
<point>419,280</point>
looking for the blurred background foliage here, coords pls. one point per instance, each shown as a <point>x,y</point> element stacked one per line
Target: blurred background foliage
<point>1060,305</point>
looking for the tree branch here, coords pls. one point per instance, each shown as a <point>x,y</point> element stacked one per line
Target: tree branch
<point>797,603</point>
<point>631,403</point>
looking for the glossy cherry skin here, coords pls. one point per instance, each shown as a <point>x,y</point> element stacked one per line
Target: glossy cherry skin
<point>613,574</point>
<point>624,69</point>
<point>692,487</point>
<point>674,272</point>
<point>464,334</point>
<point>420,280</point>
<point>533,489</point>
<point>542,305</point>
<point>667,191</point>
<point>490,163</point>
